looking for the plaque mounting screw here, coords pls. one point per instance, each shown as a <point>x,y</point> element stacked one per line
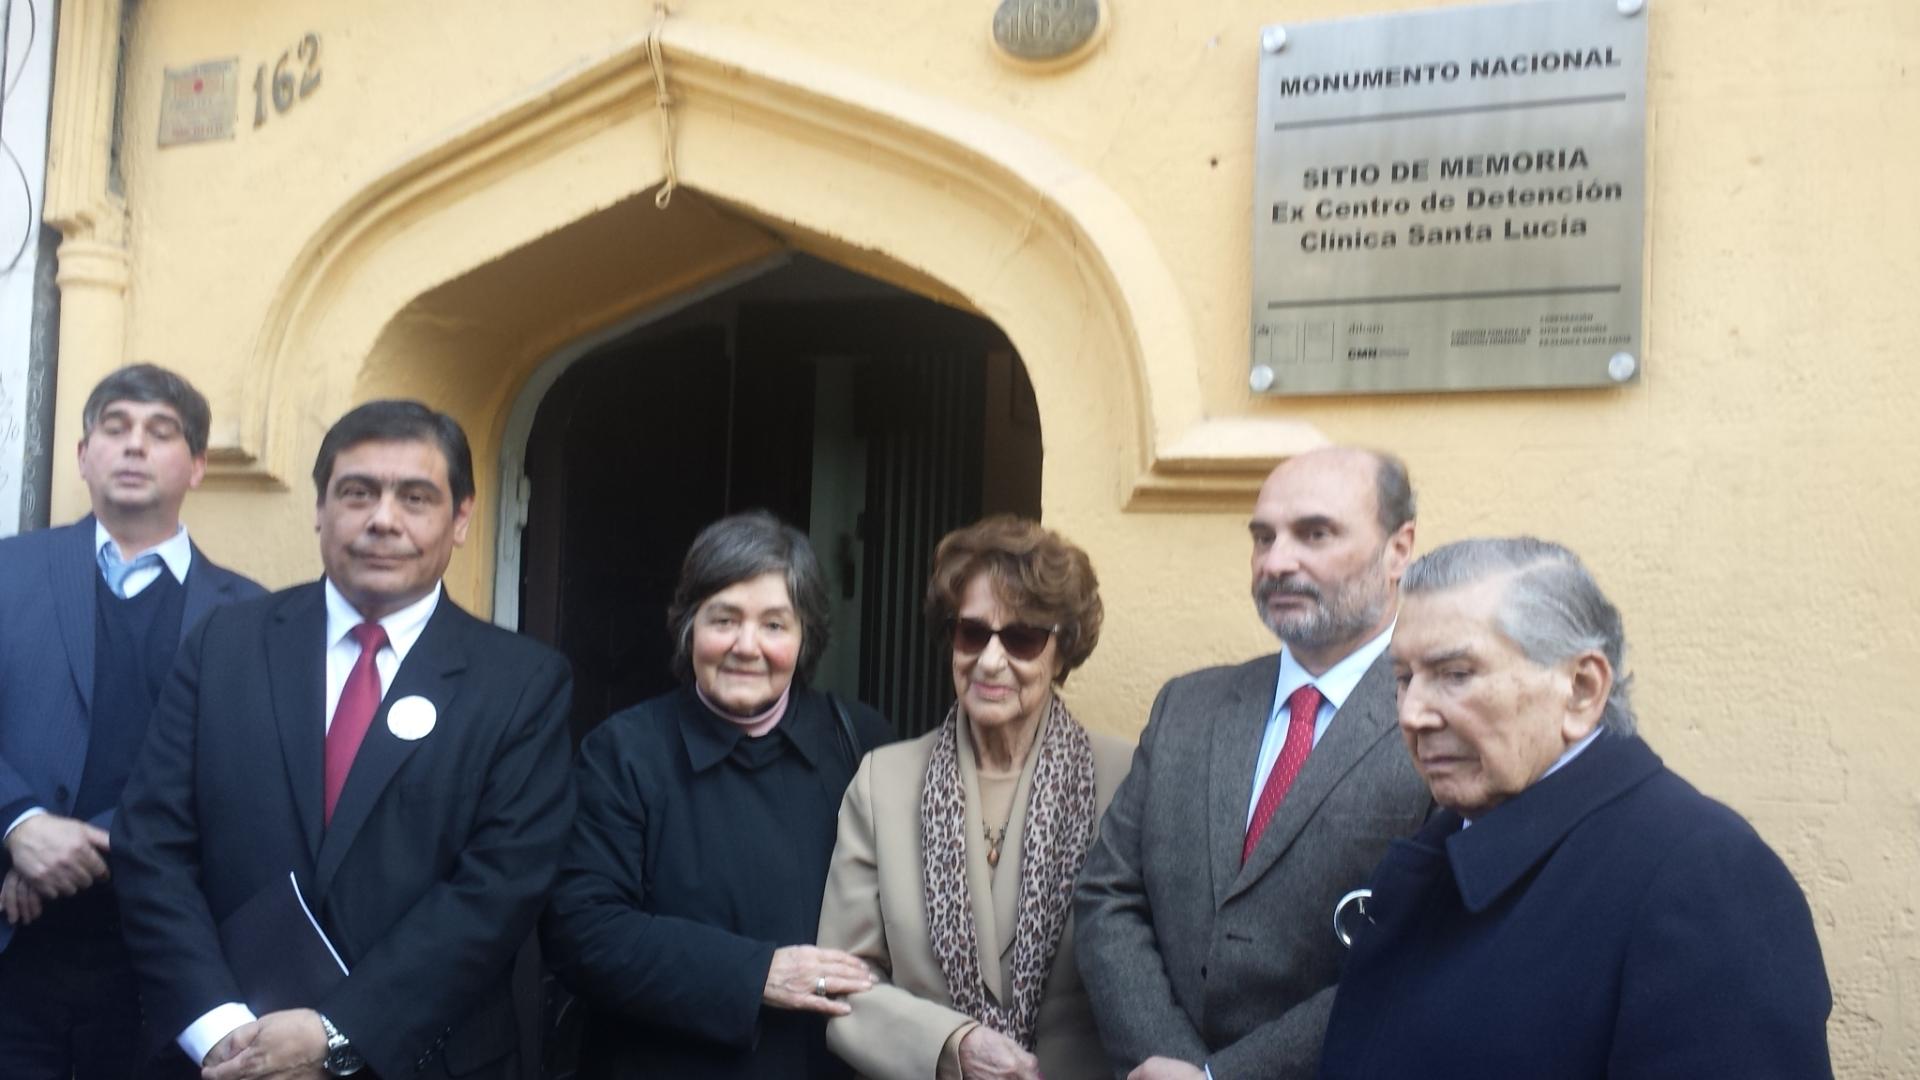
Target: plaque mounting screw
<point>1622,366</point>
<point>1260,378</point>
<point>1274,38</point>
<point>1630,8</point>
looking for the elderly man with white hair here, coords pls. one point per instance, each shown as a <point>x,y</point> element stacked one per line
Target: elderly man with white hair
<point>1574,909</point>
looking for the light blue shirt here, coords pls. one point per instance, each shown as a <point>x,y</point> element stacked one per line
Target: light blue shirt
<point>176,554</point>
<point>1335,686</point>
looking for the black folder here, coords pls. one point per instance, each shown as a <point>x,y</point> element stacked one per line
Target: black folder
<point>277,951</point>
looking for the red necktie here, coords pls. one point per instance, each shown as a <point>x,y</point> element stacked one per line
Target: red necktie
<point>359,700</point>
<point>1302,707</point>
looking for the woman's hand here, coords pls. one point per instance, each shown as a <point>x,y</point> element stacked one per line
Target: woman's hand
<point>794,979</point>
<point>985,1054</point>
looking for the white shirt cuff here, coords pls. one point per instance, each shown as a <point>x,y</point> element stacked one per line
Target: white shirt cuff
<point>1208,1069</point>
<point>35,811</point>
<point>216,1024</point>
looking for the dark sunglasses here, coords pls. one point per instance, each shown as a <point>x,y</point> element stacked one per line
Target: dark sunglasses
<point>1022,642</point>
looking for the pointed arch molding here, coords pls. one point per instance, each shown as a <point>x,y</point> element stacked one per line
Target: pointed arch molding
<point>843,164</point>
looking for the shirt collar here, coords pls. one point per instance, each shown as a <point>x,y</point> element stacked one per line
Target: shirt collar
<point>176,551</point>
<point>1571,752</point>
<point>1337,683</point>
<point>403,627</point>
<point>710,739</point>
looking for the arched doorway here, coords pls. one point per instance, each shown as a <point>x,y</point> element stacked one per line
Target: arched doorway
<point>871,418</point>
<point>461,274</point>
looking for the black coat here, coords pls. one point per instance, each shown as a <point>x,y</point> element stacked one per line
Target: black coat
<point>1608,922</point>
<point>696,853</point>
<point>429,877</point>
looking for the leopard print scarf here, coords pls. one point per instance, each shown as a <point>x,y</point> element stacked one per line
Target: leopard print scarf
<point>1058,830</point>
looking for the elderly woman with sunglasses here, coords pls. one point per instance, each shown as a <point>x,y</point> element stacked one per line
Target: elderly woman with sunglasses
<point>957,852</point>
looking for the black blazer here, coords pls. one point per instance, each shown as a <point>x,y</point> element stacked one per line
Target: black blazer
<point>439,855</point>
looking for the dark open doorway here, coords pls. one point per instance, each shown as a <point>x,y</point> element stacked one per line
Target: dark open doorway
<point>872,419</point>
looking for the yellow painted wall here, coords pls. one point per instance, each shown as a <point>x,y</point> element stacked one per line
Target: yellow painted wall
<point>406,229</point>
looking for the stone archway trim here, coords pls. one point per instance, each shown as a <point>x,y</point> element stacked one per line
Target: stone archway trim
<point>1182,458</point>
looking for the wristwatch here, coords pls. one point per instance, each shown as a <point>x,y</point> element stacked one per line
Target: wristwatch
<point>342,1059</point>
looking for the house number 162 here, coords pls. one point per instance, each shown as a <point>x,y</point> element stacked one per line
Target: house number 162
<point>286,87</point>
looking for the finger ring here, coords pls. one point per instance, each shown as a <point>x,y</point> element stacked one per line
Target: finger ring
<point>820,986</point>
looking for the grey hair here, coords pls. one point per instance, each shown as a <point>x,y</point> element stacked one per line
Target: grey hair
<point>1552,608</point>
<point>1393,491</point>
<point>739,548</point>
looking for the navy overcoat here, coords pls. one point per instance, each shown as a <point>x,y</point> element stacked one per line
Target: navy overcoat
<point>1609,921</point>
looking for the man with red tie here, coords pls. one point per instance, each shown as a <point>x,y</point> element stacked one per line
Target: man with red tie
<point>1259,795</point>
<point>403,761</point>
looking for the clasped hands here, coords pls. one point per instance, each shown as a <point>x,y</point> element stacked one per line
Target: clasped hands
<point>53,857</point>
<point>285,1045</point>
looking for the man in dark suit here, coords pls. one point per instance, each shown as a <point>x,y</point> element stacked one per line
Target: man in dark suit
<point>405,762</point>
<point>93,615</point>
<point>1259,794</point>
<point>1600,918</point>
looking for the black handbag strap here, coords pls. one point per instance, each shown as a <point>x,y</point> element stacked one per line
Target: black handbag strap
<point>849,742</point>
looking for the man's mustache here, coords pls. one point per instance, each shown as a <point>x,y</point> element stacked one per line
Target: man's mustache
<point>1273,587</point>
<point>382,553</point>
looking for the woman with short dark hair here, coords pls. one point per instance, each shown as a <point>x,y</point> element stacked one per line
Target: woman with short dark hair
<point>686,905</point>
<point>953,874</point>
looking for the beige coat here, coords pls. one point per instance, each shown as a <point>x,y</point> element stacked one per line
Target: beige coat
<point>875,907</point>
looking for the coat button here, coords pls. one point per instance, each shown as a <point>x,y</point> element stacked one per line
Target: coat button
<point>1203,971</point>
<point>61,795</point>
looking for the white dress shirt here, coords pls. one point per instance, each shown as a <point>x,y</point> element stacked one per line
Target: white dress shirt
<point>176,554</point>
<point>403,629</point>
<point>1335,686</point>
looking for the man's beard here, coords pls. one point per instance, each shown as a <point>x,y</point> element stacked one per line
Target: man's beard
<point>1358,605</point>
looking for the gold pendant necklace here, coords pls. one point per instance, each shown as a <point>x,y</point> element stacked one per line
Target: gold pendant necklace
<point>994,842</point>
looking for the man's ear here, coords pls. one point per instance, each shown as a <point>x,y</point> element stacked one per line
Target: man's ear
<point>1398,553</point>
<point>462,517</point>
<point>1590,682</point>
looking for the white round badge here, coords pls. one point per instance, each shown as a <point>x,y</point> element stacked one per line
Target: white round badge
<point>411,717</point>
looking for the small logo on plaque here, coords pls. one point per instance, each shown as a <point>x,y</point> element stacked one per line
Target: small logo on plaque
<point>197,103</point>
<point>1045,31</point>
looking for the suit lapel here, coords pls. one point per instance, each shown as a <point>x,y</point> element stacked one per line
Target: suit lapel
<point>1236,753</point>
<point>297,670</point>
<point>1359,724</point>
<point>202,592</point>
<point>72,567</point>
<point>429,671</point>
